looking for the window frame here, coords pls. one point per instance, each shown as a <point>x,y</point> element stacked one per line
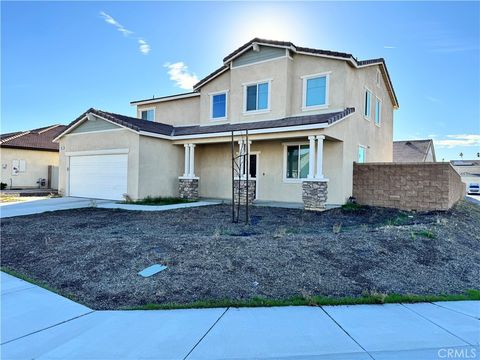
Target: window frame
<point>285,162</point>
<point>253,112</point>
<point>226,105</point>
<point>305,79</point>
<point>369,116</point>
<point>364,154</point>
<point>147,109</point>
<point>378,113</point>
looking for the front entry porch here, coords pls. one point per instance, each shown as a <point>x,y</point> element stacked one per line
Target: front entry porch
<point>293,170</point>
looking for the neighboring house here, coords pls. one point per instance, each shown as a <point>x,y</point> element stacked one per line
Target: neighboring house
<point>310,114</point>
<point>27,156</point>
<point>414,151</point>
<point>469,170</point>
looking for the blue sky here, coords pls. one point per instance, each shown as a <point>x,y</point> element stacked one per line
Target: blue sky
<point>60,58</point>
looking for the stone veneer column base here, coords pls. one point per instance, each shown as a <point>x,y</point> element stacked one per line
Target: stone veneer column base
<point>314,194</point>
<point>188,188</point>
<point>243,190</point>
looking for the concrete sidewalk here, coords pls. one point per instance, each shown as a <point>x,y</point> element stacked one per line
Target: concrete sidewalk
<point>42,325</point>
<point>53,204</point>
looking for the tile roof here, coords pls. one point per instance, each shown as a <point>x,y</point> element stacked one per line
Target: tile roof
<point>412,150</point>
<point>139,125</point>
<point>165,97</point>
<point>285,122</point>
<point>36,139</point>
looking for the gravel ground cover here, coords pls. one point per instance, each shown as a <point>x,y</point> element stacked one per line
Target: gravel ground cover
<point>94,254</point>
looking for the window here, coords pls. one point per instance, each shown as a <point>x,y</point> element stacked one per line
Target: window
<point>219,106</point>
<point>315,91</point>
<point>361,154</point>
<point>257,97</point>
<point>148,114</point>
<point>378,111</point>
<point>297,161</point>
<point>367,110</point>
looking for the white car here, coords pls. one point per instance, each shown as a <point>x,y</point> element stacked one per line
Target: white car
<point>474,188</point>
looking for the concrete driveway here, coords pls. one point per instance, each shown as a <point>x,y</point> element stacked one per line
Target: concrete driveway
<point>52,204</point>
<point>39,324</point>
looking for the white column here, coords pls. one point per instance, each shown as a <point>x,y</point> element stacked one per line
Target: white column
<point>248,160</point>
<point>241,151</point>
<point>319,174</point>
<point>187,160</point>
<point>192,160</point>
<point>311,157</point>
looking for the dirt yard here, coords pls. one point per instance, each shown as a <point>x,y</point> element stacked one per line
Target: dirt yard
<point>95,254</point>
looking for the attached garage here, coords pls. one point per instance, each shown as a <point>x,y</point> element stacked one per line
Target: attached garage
<point>99,176</point>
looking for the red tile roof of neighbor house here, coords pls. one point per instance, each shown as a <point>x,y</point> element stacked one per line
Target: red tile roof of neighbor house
<point>305,50</point>
<point>140,125</point>
<point>36,139</point>
<point>412,150</point>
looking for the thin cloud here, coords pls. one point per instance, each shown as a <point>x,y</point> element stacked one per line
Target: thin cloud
<point>433,99</point>
<point>452,141</point>
<point>179,74</point>
<point>143,46</point>
<point>389,47</point>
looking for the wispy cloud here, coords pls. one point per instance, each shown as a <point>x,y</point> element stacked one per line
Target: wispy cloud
<point>389,47</point>
<point>143,46</point>
<point>432,99</point>
<point>181,76</point>
<point>452,141</point>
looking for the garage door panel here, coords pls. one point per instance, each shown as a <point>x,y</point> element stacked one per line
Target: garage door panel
<point>99,176</point>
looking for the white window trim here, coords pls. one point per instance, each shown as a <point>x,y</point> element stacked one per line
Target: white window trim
<point>255,112</point>
<point>380,113</point>
<point>369,117</point>
<point>147,109</point>
<point>223,118</point>
<point>327,90</point>
<point>285,179</point>
<point>364,153</point>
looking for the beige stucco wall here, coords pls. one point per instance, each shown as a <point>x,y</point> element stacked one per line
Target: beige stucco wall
<point>213,166</point>
<point>106,140</point>
<point>37,163</point>
<point>176,112</point>
<point>160,165</point>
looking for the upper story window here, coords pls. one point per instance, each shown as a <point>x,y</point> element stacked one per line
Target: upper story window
<point>257,97</point>
<point>148,114</point>
<point>361,154</point>
<point>218,105</point>
<point>367,104</point>
<point>315,91</point>
<point>378,111</point>
<point>297,159</point>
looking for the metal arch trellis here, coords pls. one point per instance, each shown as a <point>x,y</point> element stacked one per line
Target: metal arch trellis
<point>240,171</point>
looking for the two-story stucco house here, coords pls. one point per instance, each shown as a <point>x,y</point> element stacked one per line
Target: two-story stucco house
<point>310,115</point>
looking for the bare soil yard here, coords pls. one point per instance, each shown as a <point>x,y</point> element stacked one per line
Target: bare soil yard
<point>94,254</point>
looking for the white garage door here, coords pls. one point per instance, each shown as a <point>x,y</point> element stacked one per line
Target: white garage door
<point>99,176</point>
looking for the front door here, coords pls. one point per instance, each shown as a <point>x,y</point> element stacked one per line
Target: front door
<point>253,164</point>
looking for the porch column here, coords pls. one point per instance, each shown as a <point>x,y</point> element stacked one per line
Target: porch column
<point>192,160</point>
<point>311,157</point>
<point>186,172</point>
<point>241,151</point>
<point>319,174</point>
<point>247,171</point>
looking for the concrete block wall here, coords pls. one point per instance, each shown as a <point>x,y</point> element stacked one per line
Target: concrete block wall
<point>407,186</point>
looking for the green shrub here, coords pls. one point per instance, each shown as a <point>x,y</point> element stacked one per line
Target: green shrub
<point>3,186</point>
